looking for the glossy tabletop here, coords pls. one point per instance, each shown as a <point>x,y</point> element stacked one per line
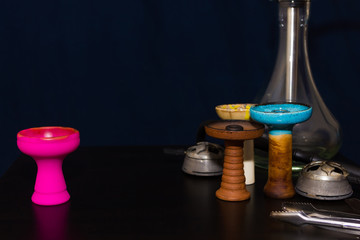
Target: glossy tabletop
<point>142,193</point>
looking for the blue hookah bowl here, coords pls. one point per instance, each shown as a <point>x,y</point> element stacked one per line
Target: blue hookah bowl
<point>281,116</point>
<point>280,119</point>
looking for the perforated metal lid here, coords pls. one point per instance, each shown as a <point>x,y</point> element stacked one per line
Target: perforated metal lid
<point>326,171</point>
<point>324,180</point>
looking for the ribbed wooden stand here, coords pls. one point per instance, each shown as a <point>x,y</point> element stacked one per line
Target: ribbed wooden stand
<point>233,179</point>
<point>234,133</point>
<point>279,184</point>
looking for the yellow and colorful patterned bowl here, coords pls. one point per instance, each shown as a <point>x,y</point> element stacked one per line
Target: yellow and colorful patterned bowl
<point>240,111</point>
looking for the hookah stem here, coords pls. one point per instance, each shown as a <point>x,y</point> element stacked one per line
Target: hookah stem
<point>292,53</point>
<point>279,184</point>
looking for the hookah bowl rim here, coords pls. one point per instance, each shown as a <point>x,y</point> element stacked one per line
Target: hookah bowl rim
<point>279,116</point>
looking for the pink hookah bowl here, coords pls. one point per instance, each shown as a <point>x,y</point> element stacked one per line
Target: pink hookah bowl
<point>48,146</point>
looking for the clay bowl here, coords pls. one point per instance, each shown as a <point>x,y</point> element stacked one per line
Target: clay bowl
<point>239,111</point>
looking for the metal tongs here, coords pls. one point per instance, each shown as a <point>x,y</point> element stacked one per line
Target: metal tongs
<point>311,210</point>
<point>305,213</point>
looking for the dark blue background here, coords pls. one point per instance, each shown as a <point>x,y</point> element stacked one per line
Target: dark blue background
<point>149,72</point>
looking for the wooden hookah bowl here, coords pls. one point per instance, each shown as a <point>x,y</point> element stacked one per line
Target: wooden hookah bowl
<point>233,133</point>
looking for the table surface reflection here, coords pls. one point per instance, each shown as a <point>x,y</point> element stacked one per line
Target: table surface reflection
<point>140,192</point>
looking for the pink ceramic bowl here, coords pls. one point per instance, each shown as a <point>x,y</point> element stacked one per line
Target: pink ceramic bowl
<point>48,146</point>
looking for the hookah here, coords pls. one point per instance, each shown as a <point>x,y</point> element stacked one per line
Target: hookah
<point>292,82</point>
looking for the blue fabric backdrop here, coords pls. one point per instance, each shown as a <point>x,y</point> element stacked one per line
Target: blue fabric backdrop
<point>149,72</point>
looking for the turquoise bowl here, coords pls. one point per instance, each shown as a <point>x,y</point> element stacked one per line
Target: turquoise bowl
<point>281,113</point>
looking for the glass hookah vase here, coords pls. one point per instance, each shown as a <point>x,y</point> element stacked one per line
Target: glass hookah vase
<point>292,81</point>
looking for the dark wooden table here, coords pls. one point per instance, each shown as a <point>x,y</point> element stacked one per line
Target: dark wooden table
<point>141,193</point>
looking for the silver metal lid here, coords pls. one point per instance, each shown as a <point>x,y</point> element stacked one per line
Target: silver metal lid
<point>324,180</point>
<point>204,159</point>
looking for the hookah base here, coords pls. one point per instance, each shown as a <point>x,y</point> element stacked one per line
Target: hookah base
<point>231,195</point>
<point>50,199</point>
